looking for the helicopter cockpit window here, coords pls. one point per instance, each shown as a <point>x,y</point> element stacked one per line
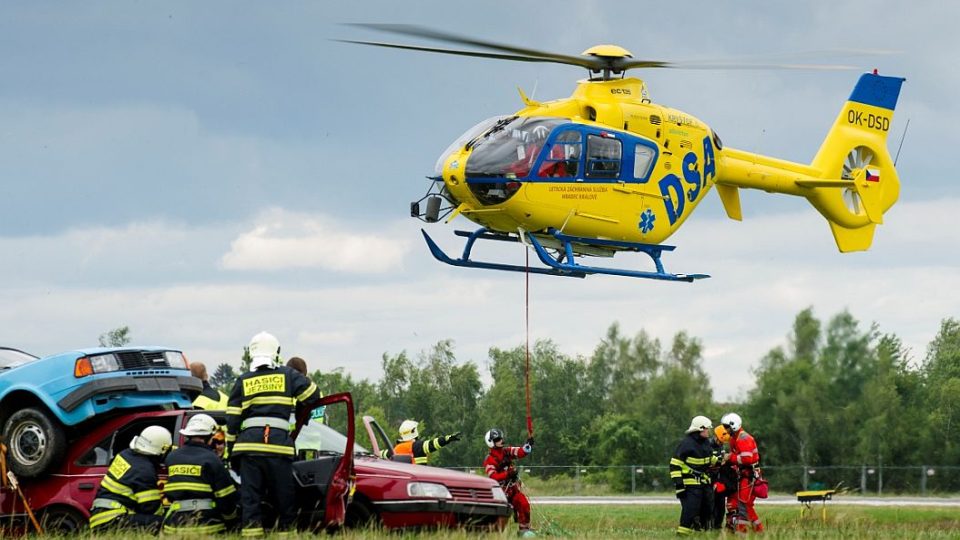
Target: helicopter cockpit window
<point>563,157</point>
<point>642,160</point>
<point>467,136</point>
<point>603,157</point>
<point>509,150</point>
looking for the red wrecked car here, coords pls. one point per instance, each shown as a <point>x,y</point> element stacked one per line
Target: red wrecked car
<point>334,488</point>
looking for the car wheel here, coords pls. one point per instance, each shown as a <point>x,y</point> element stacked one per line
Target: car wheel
<point>35,442</point>
<point>360,514</point>
<point>62,520</point>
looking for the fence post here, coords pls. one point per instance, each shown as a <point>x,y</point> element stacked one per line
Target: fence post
<point>576,481</point>
<point>633,479</point>
<point>880,479</point>
<point>806,477</point>
<point>923,481</point>
<point>863,479</point>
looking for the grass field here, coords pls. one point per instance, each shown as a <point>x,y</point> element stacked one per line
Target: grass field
<point>637,521</point>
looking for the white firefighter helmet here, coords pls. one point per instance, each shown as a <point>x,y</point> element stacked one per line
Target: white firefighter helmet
<point>492,437</point>
<point>200,425</point>
<point>152,441</point>
<point>732,421</point>
<point>264,351</point>
<point>698,423</point>
<point>408,430</point>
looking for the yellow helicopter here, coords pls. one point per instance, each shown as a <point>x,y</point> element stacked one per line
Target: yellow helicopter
<point>607,170</point>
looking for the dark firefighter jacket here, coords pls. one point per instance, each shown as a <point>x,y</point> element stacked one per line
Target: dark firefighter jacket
<point>690,462</point>
<point>258,413</point>
<point>201,493</point>
<point>129,487</point>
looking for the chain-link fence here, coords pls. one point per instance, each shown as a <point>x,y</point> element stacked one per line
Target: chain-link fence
<point>637,479</point>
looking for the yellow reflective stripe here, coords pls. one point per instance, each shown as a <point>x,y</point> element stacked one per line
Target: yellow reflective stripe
<point>421,460</point>
<point>684,530</point>
<point>231,437</point>
<point>675,474</point>
<point>116,487</point>
<point>308,392</point>
<point>106,516</point>
<point>148,495</point>
<point>260,447</point>
<point>268,400</point>
<point>234,410</point>
<point>188,486</point>
<point>215,528</point>
<point>698,461</point>
<point>225,491</point>
<point>691,482</point>
<point>254,531</point>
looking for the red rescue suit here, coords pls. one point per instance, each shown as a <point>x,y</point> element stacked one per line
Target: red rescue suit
<point>499,466</point>
<point>745,457</point>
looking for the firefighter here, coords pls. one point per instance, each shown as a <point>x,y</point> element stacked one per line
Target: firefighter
<point>688,470</point>
<point>499,466</point>
<point>210,399</point>
<point>258,428</point>
<point>746,459</point>
<point>409,443</point>
<point>129,497</point>
<point>203,498</point>
<point>723,476</point>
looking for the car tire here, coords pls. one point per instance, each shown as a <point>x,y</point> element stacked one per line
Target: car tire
<point>360,514</point>
<point>62,520</point>
<point>35,442</point>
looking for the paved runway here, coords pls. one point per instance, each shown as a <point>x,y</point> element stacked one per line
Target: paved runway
<point>775,500</point>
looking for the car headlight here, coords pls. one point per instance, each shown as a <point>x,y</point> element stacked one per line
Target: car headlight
<point>88,365</point>
<point>427,489</point>
<point>176,359</point>
<point>104,363</point>
<point>499,495</point>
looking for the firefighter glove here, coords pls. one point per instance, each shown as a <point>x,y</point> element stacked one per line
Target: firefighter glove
<point>530,441</point>
<point>512,474</point>
<point>455,437</point>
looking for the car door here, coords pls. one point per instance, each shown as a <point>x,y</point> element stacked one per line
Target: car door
<point>343,477</point>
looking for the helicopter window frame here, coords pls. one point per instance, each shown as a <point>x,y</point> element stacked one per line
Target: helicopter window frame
<point>599,158</point>
<point>567,166</point>
<point>643,176</point>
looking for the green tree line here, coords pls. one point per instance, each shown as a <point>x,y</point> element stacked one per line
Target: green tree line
<point>836,393</point>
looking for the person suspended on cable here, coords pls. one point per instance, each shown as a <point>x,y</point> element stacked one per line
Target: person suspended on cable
<point>203,498</point>
<point>688,470</point>
<point>411,448</point>
<point>258,434</point>
<point>129,497</point>
<point>499,465</point>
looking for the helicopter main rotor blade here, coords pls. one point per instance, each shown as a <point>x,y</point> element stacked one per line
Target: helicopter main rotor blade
<point>734,65</point>
<point>420,31</point>
<point>450,51</point>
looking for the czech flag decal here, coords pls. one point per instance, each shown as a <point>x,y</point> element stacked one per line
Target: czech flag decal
<point>873,176</point>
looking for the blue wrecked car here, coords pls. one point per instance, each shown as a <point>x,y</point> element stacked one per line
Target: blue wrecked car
<point>45,402</point>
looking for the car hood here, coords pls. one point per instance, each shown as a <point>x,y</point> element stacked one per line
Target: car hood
<point>424,473</point>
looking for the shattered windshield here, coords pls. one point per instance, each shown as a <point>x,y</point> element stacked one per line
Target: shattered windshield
<point>510,148</point>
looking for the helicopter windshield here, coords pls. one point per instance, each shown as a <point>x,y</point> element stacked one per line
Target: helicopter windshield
<point>467,136</point>
<point>510,148</point>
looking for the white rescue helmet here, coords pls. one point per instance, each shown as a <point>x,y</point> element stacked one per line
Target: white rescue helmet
<point>699,423</point>
<point>492,437</point>
<point>200,425</point>
<point>732,421</point>
<point>264,351</point>
<point>409,430</point>
<point>152,441</point>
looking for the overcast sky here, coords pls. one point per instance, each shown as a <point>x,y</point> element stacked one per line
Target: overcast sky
<point>202,171</point>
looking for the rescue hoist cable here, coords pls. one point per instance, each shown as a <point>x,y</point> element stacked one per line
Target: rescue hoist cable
<point>527,369</point>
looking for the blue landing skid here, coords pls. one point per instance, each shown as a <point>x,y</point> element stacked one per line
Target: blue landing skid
<point>555,264</point>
